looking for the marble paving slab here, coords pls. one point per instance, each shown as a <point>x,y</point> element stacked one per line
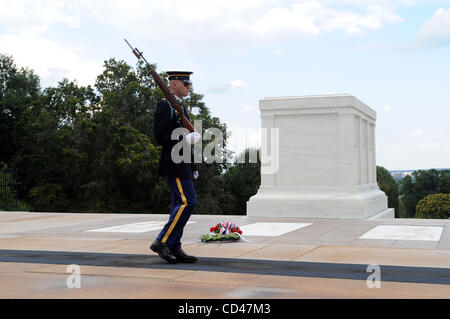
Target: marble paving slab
<point>271,229</point>
<point>396,232</point>
<point>142,227</point>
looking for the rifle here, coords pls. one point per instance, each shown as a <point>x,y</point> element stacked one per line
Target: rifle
<point>169,96</point>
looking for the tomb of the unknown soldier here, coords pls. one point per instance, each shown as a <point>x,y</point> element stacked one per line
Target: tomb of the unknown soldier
<point>318,159</point>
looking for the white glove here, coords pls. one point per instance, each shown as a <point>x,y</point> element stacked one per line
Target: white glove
<point>195,174</point>
<point>193,138</point>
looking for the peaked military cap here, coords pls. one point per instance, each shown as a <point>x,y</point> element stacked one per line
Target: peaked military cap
<point>180,75</point>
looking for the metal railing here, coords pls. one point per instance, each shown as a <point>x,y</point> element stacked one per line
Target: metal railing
<point>8,189</point>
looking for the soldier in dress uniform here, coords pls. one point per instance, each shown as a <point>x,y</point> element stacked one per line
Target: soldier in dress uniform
<point>179,176</point>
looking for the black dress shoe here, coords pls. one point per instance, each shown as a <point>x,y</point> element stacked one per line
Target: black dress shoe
<point>163,251</point>
<point>182,257</point>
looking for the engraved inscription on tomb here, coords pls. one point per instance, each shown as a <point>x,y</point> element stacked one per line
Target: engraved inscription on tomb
<point>308,149</point>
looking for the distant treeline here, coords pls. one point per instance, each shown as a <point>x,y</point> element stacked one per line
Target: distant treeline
<point>405,193</point>
<point>400,174</point>
<point>420,184</point>
<point>91,149</point>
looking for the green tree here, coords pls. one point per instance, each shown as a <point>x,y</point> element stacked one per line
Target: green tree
<point>129,94</point>
<point>92,149</point>
<point>8,196</point>
<point>420,184</point>
<point>80,151</point>
<point>123,168</point>
<point>444,182</point>
<point>48,159</point>
<point>19,89</point>
<point>212,197</point>
<point>126,173</point>
<point>389,186</point>
<point>242,180</point>
<point>408,198</point>
<point>435,206</point>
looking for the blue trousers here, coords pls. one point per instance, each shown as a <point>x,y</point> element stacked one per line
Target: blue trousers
<point>183,204</point>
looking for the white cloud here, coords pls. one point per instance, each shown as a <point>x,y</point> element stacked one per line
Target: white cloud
<point>225,87</point>
<point>372,46</point>
<point>430,141</point>
<point>237,23</point>
<point>277,52</point>
<point>436,31</point>
<point>435,136</point>
<point>193,25</point>
<point>354,22</point>
<point>24,27</point>
<point>432,146</point>
<point>50,60</point>
<point>238,84</point>
<point>387,108</point>
<point>390,146</point>
<point>417,133</point>
<point>33,17</point>
<point>250,109</point>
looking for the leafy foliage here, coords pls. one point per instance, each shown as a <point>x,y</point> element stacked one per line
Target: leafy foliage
<point>421,184</point>
<point>435,206</point>
<point>389,186</point>
<point>8,198</point>
<point>19,89</point>
<point>218,237</point>
<point>243,179</point>
<point>92,149</point>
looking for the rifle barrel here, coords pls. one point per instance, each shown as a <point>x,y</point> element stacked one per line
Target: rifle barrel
<point>129,44</point>
<point>169,96</point>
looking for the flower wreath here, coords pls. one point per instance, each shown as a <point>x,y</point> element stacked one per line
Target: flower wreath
<point>225,231</point>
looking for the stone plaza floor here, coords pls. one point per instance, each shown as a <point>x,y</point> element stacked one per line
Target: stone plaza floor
<point>281,258</point>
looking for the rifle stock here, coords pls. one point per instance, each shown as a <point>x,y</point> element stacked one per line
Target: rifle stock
<point>169,96</point>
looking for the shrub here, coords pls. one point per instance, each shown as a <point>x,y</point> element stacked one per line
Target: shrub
<point>389,186</point>
<point>48,197</point>
<point>434,206</point>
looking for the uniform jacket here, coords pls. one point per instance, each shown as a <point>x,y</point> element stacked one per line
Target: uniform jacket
<point>164,123</point>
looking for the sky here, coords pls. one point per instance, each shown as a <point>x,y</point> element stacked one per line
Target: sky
<point>394,56</point>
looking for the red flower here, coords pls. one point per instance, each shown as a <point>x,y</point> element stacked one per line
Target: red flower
<point>215,228</point>
<point>234,229</point>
